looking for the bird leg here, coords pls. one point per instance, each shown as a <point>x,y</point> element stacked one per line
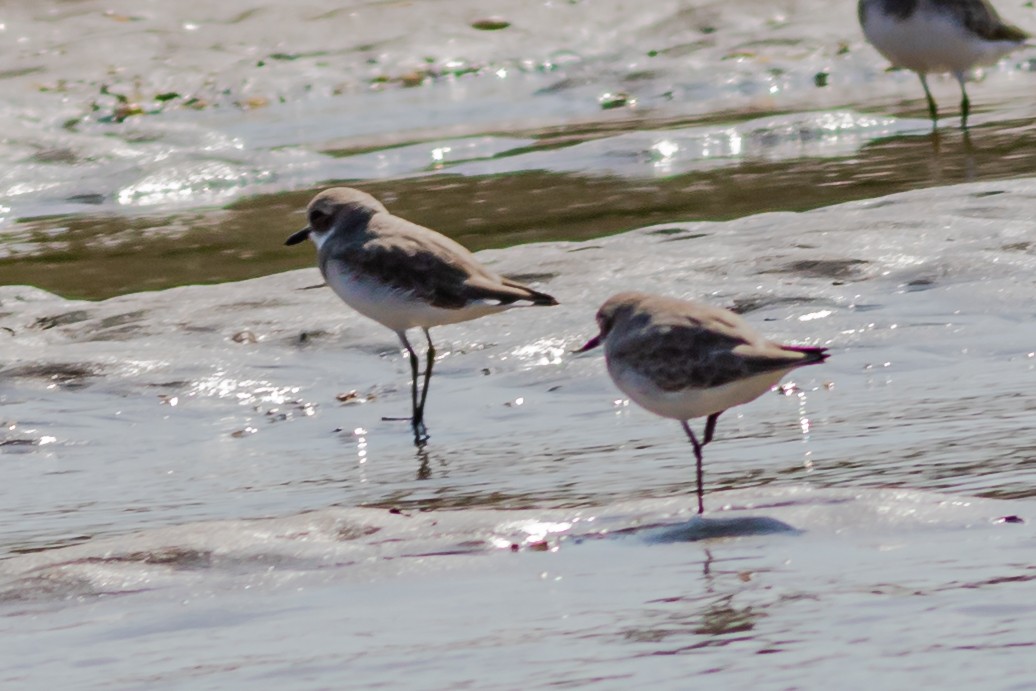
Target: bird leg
<point>710,427</point>
<point>416,420</point>
<point>430,360</point>
<point>933,112</point>
<point>697,457</point>
<point>965,103</point>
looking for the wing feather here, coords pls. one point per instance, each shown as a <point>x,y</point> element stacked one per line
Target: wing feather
<point>679,357</point>
<point>426,265</point>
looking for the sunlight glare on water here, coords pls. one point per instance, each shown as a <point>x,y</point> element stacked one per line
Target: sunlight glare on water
<point>545,351</point>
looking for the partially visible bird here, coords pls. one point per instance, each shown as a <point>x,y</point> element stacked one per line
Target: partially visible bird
<point>403,275</point>
<point>682,359</point>
<point>928,36</point>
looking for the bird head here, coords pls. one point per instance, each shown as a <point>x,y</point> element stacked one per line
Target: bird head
<point>615,308</point>
<point>339,209</point>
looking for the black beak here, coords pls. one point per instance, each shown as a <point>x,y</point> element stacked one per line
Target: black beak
<point>298,237</point>
<point>590,345</point>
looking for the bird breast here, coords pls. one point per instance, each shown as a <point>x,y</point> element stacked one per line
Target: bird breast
<point>690,402</point>
<point>930,42</point>
<point>397,308</point>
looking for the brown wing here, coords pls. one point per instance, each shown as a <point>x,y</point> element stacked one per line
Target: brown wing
<point>428,266</point>
<point>982,18</point>
<point>426,276</point>
<point>680,357</point>
<point>507,291</point>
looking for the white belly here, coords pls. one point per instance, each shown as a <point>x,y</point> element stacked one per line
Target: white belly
<point>930,42</point>
<point>397,309</point>
<point>690,403</point>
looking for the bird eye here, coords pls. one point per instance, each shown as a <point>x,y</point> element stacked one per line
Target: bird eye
<point>316,217</point>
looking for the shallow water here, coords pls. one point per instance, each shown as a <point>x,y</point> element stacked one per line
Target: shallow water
<point>594,613</point>
<point>200,486</point>
<point>144,432</point>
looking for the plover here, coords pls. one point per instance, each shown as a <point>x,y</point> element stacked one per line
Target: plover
<point>403,275</point>
<point>939,36</point>
<point>682,360</point>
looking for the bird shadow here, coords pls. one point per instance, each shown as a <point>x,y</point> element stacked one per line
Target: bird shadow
<point>702,528</point>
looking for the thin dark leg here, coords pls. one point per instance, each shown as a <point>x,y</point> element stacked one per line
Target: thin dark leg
<point>413,370</point>
<point>710,427</point>
<point>430,360</point>
<point>965,103</point>
<point>697,457</point>
<point>416,420</point>
<point>933,112</point>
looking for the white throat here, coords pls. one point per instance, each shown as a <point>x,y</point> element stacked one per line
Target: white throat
<point>319,238</point>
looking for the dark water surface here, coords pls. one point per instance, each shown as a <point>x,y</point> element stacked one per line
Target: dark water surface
<point>97,256</point>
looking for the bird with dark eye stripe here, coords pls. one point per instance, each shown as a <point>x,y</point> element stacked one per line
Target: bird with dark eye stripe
<point>403,276</point>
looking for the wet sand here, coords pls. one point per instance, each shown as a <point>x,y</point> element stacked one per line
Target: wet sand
<point>190,448</point>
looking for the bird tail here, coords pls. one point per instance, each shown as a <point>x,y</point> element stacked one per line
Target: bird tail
<point>533,296</point>
<point>813,355</point>
<point>539,298</point>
